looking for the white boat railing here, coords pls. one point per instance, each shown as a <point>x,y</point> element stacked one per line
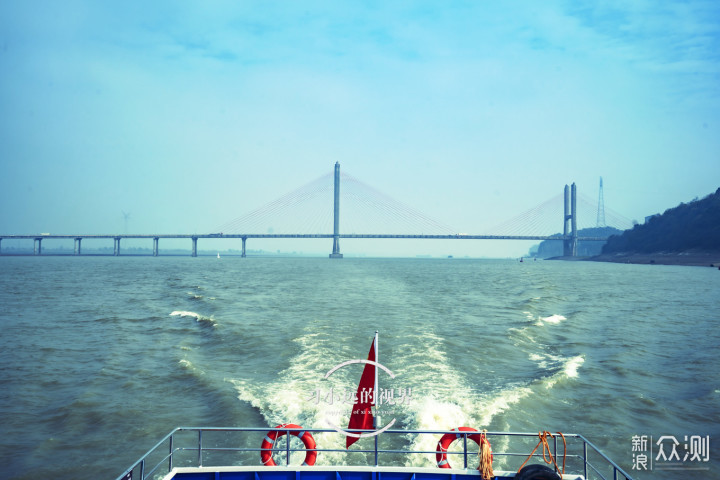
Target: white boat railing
<point>191,447</point>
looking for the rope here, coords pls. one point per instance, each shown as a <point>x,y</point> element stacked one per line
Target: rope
<point>547,453</point>
<point>485,458</point>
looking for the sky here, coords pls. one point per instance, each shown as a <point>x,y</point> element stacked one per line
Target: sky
<point>186,115</point>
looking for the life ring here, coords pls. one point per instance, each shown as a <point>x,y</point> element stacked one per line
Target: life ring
<point>448,438</point>
<point>305,436</point>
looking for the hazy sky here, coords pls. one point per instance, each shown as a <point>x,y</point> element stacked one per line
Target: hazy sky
<point>189,114</point>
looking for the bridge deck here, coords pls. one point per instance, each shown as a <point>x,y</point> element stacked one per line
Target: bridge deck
<point>305,235</point>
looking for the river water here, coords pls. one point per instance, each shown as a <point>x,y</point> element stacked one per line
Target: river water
<point>102,356</point>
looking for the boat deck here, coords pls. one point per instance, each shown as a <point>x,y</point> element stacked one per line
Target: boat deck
<point>334,473</point>
<point>218,453</point>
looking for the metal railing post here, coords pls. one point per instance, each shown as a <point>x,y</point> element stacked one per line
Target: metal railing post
<point>376,450</point>
<point>142,469</point>
<point>465,450</point>
<point>170,460</point>
<point>585,460</point>
<point>200,448</point>
<point>287,449</point>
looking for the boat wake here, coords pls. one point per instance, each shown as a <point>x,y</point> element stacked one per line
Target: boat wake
<point>437,395</point>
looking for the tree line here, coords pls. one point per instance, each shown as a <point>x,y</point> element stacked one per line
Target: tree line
<point>689,226</point>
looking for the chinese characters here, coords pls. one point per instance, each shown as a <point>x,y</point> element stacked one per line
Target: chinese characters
<point>398,396</point>
<point>668,452</point>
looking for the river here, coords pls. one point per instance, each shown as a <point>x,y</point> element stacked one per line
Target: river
<point>102,356</point>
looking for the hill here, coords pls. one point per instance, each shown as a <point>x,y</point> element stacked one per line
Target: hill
<point>689,227</point>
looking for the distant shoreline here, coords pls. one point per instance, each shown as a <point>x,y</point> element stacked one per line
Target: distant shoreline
<point>690,259</point>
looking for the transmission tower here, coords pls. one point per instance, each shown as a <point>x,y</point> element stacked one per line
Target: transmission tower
<point>601,207</point>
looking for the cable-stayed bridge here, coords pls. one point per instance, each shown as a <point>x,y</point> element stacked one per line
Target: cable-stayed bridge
<point>339,206</point>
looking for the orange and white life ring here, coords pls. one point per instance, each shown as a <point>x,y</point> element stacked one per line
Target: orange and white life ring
<point>269,441</point>
<point>448,438</point>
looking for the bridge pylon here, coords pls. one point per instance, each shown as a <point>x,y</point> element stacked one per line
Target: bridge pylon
<point>570,222</point>
<point>336,224</point>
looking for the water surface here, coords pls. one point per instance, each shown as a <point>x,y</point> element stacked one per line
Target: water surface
<point>102,356</point>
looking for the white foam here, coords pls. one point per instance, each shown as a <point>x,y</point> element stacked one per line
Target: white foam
<point>442,396</point>
<point>468,408</point>
<point>290,401</point>
<point>569,370</point>
<point>446,400</point>
<point>431,413</point>
<point>196,316</point>
<point>188,365</point>
<point>554,319</point>
<point>501,401</point>
<point>572,365</point>
<point>291,397</point>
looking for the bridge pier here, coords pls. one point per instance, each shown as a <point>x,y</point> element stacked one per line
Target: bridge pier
<point>78,241</point>
<point>37,249</point>
<point>156,242</point>
<point>244,239</point>
<point>116,250</point>
<point>336,227</point>
<point>194,246</point>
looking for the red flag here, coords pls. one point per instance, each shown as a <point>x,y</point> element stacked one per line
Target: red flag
<point>361,416</point>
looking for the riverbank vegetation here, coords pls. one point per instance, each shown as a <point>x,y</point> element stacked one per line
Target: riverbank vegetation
<point>693,226</point>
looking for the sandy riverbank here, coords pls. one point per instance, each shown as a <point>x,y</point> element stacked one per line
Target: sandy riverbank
<point>695,259</point>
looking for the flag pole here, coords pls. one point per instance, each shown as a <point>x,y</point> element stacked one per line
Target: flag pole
<point>376,394</point>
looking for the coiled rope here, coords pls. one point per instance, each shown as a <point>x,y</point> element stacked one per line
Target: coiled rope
<point>547,454</point>
<point>485,458</point>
